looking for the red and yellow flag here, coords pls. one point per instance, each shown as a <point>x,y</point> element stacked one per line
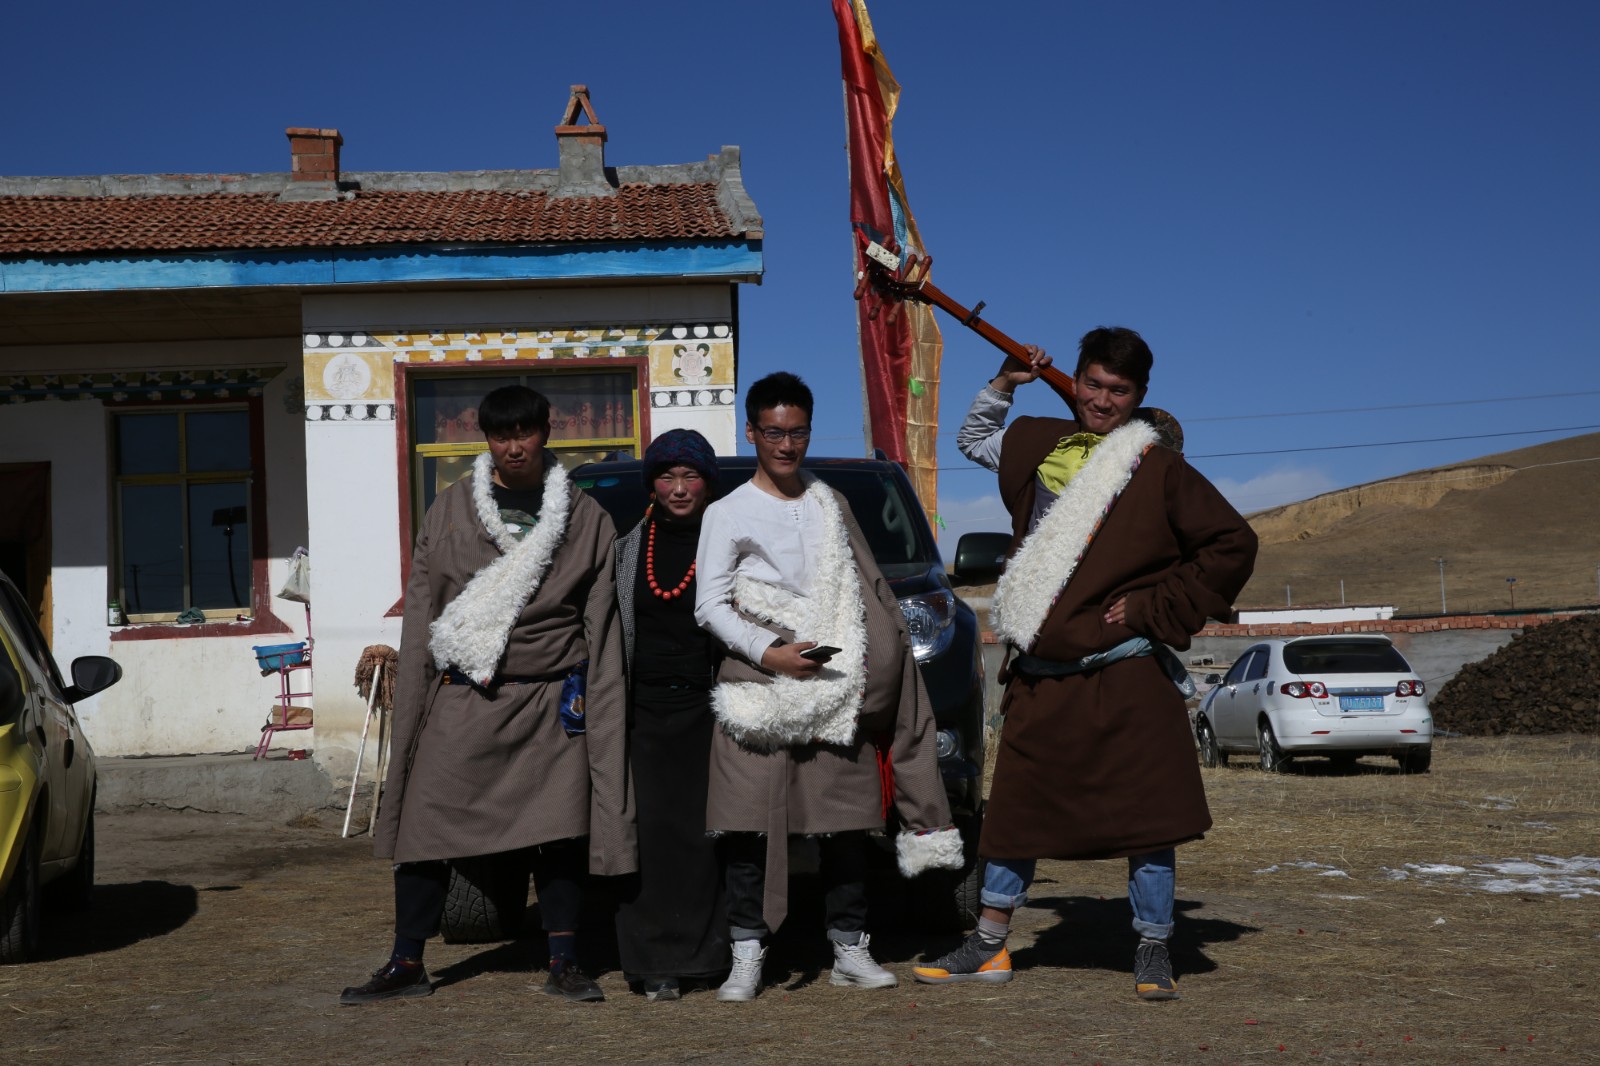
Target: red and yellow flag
<point>900,344</point>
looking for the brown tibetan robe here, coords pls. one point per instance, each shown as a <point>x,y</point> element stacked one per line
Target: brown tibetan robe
<point>812,789</point>
<point>476,773</point>
<point>1102,764</point>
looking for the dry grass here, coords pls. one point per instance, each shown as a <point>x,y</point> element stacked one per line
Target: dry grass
<point>215,942</point>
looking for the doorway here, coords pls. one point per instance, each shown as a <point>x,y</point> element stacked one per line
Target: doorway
<point>25,535</point>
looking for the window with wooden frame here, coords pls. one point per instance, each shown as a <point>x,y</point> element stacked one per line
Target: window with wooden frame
<point>593,413</point>
<point>183,511</point>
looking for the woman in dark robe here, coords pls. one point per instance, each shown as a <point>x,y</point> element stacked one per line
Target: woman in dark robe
<point>672,929</point>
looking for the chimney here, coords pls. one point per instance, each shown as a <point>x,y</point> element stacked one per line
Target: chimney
<point>314,164</point>
<point>583,151</point>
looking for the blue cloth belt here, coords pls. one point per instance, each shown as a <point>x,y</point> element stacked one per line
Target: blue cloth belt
<point>1133,647</point>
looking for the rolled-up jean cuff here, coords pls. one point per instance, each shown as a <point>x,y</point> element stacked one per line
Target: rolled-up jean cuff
<point>736,932</point>
<point>1005,883</point>
<point>1152,931</point>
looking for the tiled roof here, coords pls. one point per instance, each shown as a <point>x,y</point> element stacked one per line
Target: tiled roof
<point>84,225</point>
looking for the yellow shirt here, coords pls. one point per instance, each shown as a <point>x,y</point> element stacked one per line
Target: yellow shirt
<point>1063,464</point>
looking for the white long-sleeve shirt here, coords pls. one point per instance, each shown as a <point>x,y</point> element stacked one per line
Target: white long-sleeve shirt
<point>984,428</point>
<point>752,532</point>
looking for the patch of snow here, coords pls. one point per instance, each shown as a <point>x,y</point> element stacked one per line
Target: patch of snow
<point>1330,895</point>
<point>1327,871</point>
<point>1545,875</point>
<point>1498,803</point>
<point>1538,825</point>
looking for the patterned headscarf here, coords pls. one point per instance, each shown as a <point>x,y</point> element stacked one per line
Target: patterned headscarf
<point>681,447</point>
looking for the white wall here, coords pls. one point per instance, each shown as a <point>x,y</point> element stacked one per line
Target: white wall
<point>1351,613</point>
<point>181,695</point>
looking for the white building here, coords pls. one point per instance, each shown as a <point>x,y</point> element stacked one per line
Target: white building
<point>198,374</point>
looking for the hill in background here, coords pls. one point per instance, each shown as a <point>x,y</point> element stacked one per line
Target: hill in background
<point>1532,514</point>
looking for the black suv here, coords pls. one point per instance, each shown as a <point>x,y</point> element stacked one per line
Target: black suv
<point>944,636</point>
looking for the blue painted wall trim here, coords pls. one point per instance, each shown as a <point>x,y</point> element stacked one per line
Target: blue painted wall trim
<point>367,266</point>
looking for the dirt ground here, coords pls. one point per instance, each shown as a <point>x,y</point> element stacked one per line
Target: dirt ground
<point>1331,916</point>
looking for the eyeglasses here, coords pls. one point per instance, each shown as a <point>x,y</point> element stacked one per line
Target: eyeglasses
<point>774,435</point>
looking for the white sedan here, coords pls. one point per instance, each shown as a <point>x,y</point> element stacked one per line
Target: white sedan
<point>1341,697</point>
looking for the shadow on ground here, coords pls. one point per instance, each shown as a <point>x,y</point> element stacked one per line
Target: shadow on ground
<point>119,915</point>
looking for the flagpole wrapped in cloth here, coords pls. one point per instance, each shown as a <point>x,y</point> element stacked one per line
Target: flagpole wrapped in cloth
<point>900,341</point>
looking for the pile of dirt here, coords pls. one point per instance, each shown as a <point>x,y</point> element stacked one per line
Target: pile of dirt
<point>1545,681</point>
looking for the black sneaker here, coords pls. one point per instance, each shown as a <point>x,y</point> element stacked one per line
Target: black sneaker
<point>661,989</point>
<point>397,979</point>
<point>569,982</point>
<point>976,959</point>
<point>1152,971</point>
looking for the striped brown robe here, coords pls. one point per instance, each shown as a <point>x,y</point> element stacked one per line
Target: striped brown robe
<point>474,774</point>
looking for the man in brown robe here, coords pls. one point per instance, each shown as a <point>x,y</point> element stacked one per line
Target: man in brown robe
<point>1119,549</point>
<point>510,612</point>
<point>819,704</point>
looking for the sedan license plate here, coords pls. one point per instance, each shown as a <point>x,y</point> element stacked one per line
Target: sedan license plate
<point>1361,703</point>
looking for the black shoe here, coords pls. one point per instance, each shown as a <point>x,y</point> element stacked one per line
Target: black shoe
<point>661,989</point>
<point>1152,971</point>
<point>397,979</point>
<point>568,981</point>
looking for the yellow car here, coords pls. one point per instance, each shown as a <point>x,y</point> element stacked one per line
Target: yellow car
<point>46,776</point>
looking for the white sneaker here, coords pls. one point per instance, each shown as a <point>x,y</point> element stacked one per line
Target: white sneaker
<point>853,965</point>
<point>744,980</point>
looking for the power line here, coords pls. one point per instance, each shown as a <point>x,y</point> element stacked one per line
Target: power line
<point>1394,443</point>
<point>1394,407</point>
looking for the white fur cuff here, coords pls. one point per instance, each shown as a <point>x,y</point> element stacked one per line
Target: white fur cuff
<point>940,849</point>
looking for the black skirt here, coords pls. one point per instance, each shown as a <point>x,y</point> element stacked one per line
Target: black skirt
<point>675,924</point>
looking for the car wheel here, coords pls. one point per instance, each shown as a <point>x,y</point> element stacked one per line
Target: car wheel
<point>486,900</point>
<point>19,910</point>
<point>77,888</point>
<point>1415,761</point>
<point>1211,754</point>
<point>1273,760</point>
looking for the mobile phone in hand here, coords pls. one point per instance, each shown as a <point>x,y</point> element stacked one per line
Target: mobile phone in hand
<point>821,653</point>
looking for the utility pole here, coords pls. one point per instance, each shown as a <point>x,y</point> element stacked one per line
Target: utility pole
<point>1341,592</point>
<point>1288,596</point>
<point>1511,583</point>
<point>1443,607</point>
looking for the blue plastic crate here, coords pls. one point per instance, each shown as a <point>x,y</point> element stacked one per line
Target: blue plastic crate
<point>277,656</point>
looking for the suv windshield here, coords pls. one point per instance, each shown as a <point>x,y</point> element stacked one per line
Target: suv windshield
<point>1344,657</point>
<point>883,506</point>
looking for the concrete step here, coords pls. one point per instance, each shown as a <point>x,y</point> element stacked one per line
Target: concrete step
<point>275,787</point>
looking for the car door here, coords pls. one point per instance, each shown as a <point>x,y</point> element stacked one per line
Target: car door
<point>1225,705</point>
<point>55,725</point>
<point>1252,690</point>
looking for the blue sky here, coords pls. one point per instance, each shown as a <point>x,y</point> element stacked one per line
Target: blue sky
<point>1336,224</point>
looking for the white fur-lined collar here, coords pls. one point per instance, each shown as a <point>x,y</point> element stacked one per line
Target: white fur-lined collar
<point>1048,557</point>
<point>472,630</point>
<point>768,715</point>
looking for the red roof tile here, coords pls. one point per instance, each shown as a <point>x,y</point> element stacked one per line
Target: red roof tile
<point>79,225</point>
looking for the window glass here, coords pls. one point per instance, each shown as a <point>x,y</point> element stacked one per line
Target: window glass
<point>183,482</point>
<point>588,406</point>
<point>219,545</point>
<point>12,687</point>
<point>152,548</point>
<point>1236,673</point>
<point>1258,666</point>
<point>592,416</point>
<point>1344,657</point>
<point>217,440</point>
<point>33,644</point>
<point>147,444</point>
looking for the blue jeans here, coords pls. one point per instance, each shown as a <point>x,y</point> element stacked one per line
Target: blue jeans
<point>1152,885</point>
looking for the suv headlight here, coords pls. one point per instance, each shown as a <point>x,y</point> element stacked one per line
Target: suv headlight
<point>930,616</point>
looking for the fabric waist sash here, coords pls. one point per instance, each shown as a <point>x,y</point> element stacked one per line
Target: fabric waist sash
<point>1133,647</point>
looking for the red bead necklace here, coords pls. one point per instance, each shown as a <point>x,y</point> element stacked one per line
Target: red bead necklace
<point>650,569</point>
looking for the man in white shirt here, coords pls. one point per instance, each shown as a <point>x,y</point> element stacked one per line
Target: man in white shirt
<point>817,699</point>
